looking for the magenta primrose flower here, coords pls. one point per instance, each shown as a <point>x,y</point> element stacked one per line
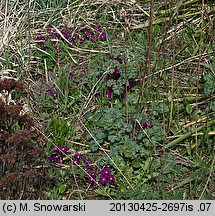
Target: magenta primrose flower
<point>95,36</point>
<point>90,167</point>
<point>88,35</point>
<point>105,171</point>
<point>63,148</point>
<point>39,37</point>
<point>103,36</point>
<point>90,180</point>
<point>91,177</point>
<point>106,176</point>
<point>146,125</point>
<point>80,60</point>
<point>116,59</point>
<point>50,30</point>
<point>116,74</point>
<point>56,158</point>
<point>52,43</point>
<point>76,161</point>
<point>74,36</point>
<point>64,33</point>
<point>78,156</point>
<point>131,83</point>
<point>85,31</point>
<point>109,92</point>
<point>55,36</point>
<point>59,149</point>
<point>82,39</point>
<point>86,160</point>
<point>111,178</point>
<point>58,48</point>
<point>103,180</point>
<point>72,41</point>
<point>93,174</point>
<point>42,45</point>
<point>51,92</point>
<point>98,28</point>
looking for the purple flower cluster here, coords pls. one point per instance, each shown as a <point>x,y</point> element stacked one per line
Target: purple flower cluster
<point>63,149</point>
<point>75,36</point>
<point>51,92</point>
<point>57,159</point>
<point>115,76</point>
<point>116,59</point>
<point>146,125</point>
<point>78,36</point>
<point>105,176</point>
<point>78,157</point>
<point>109,92</point>
<point>57,154</point>
<point>92,171</point>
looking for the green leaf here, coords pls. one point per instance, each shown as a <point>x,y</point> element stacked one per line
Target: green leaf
<point>185,181</point>
<point>189,109</point>
<point>136,163</point>
<point>189,150</point>
<point>62,188</point>
<point>104,192</point>
<point>212,105</point>
<point>145,166</point>
<point>93,146</point>
<point>100,135</point>
<point>112,138</point>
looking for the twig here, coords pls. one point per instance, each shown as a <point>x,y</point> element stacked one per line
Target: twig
<point>195,130</point>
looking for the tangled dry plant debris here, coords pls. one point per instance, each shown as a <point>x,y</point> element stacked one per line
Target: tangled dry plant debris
<point>17,154</point>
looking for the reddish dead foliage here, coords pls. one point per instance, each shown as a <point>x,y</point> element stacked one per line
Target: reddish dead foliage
<point>17,154</point>
<point>11,84</point>
<point>21,136</point>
